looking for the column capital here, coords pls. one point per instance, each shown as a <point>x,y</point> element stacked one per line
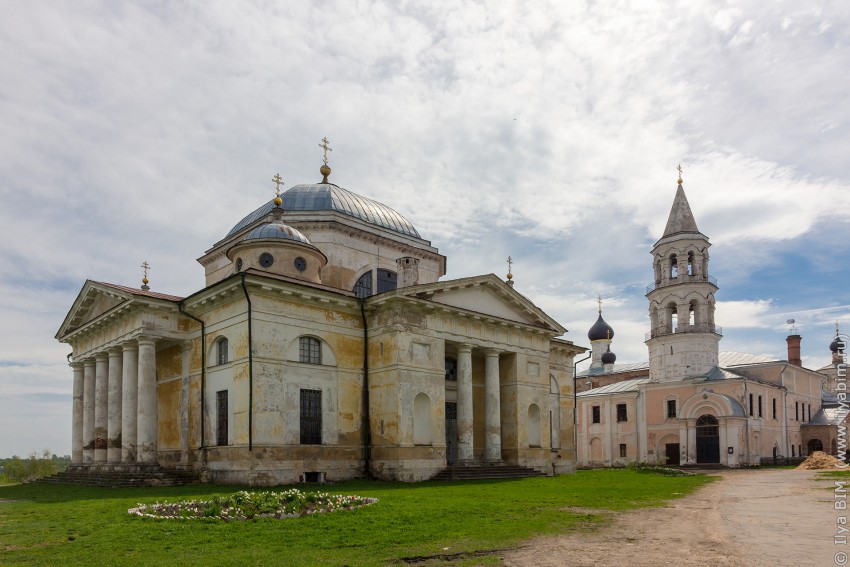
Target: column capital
<point>76,364</point>
<point>101,356</point>
<point>146,340</point>
<point>88,361</point>
<point>129,345</point>
<point>114,351</point>
<point>187,345</point>
<point>464,348</point>
<point>492,352</point>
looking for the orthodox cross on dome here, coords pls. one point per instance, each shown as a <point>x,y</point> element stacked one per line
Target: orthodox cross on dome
<point>510,267</point>
<point>680,173</point>
<point>146,267</point>
<point>278,181</point>
<point>325,170</point>
<point>599,301</point>
<point>324,145</point>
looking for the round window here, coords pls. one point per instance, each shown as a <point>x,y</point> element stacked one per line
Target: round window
<point>300,264</point>
<point>266,259</point>
<point>238,264</point>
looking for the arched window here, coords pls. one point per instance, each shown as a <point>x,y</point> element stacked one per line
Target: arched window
<point>674,267</point>
<point>222,346</point>
<point>533,426</point>
<point>672,317</point>
<point>387,280</point>
<point>422,419</point>
<point>690,263</point>
<point>363,287</point>
<point>707,426</point>
<point>692,313</point>
<point>309,350</point>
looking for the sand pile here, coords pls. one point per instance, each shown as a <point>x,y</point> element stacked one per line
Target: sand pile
<point>818,461</point>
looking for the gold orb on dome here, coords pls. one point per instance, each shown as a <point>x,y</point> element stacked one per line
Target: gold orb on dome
<point>278,201</point>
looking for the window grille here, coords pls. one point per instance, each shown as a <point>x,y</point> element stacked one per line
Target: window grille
<point>311,417</point>
<point>221,418</point>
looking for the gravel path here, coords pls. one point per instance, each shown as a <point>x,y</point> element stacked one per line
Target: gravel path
<point>750,517</point>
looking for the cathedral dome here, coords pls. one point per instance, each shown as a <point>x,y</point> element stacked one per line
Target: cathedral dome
<point>609,357</point>
<point>600,330</point>
<point>835,345</point>
<point>276,229</point>
<point>330,197</point>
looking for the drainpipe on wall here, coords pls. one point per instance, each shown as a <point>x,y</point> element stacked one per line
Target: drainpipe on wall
<point>203,368</point>
<point>250,371</point>
<point>575,404</point>
<point>367,432</point>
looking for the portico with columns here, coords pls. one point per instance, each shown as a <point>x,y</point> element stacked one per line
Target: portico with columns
<point>115,333</point>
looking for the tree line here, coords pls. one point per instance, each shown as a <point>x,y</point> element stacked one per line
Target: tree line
<point>16,469</point>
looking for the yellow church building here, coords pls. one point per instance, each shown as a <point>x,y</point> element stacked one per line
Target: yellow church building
<point>323,346</point>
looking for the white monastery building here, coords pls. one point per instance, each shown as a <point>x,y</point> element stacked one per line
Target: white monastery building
<point>691,404</point>
<point>323,346</point>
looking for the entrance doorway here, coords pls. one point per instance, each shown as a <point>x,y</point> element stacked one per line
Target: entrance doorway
<point>671,451</point>
<point>815,445</point>
<point>708,440</point>
<point>451,433</point>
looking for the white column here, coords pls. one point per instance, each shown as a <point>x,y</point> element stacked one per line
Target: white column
<point>101,400</point>
<point>88,411</point>
<point>146,433</point>
<point>492,411</point>
<point>129,400</point>
<point>113,426</point>
<point>183,408</point>
<point>77,415</point>
<point>464,403</point>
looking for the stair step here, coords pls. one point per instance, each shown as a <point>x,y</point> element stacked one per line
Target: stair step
<point>122,479</point>
<point>486,472</point>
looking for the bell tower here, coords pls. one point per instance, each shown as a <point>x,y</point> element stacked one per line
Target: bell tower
<point>683,340</point>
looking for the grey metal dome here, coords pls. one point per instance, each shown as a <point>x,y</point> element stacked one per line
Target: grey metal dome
<point>278,230</point>
<point>600,330</point>
<point>836,344</point>
<point>330,197</point>
<point>609,357</point>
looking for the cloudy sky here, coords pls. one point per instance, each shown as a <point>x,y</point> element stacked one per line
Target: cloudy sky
<point>550,132</point>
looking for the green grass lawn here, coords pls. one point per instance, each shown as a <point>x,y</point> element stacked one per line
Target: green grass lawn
<point>65,525</point>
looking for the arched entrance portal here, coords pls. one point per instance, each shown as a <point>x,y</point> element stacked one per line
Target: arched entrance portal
<point>708,440</point>
<point>815,445</point>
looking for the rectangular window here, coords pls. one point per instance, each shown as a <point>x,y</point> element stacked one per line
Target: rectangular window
<point>810,412</point>
<point>751,405</point>
<point>623,450</point>
<point>797,411</point>
<point>774,408</point>
<point>760,412</point>
<point>311,417</point>
<point>671,409</point>
<point>622,414</point>
<point>221,417</point>
<point>793,451</point>
<point>309,350</point>
<point>597,414</point>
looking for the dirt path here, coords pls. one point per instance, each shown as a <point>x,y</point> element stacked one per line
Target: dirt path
<point>755,518</point>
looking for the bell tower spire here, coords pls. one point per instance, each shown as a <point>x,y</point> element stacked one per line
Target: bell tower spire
<point>683,340</point>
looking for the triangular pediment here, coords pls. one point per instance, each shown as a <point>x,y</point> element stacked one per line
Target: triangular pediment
<point>487,295</point>
<point>94,300</point>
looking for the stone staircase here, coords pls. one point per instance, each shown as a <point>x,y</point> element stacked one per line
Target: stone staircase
<point>486,472</point>
<point>121,477</point>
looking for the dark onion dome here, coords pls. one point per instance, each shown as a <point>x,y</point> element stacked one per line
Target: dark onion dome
<point>276,230</point>
<point>330,197</point>
<point>600,330</point>
<point>609,357</point>
<point>837,344</point>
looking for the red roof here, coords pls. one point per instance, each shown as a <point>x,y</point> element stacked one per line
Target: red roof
<point>136,291</point>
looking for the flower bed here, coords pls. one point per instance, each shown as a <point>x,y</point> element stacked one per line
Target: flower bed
<point>246,505</point>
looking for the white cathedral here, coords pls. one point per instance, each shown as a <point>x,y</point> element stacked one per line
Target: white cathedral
<point>691,404</point>
<point>323,346</point>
